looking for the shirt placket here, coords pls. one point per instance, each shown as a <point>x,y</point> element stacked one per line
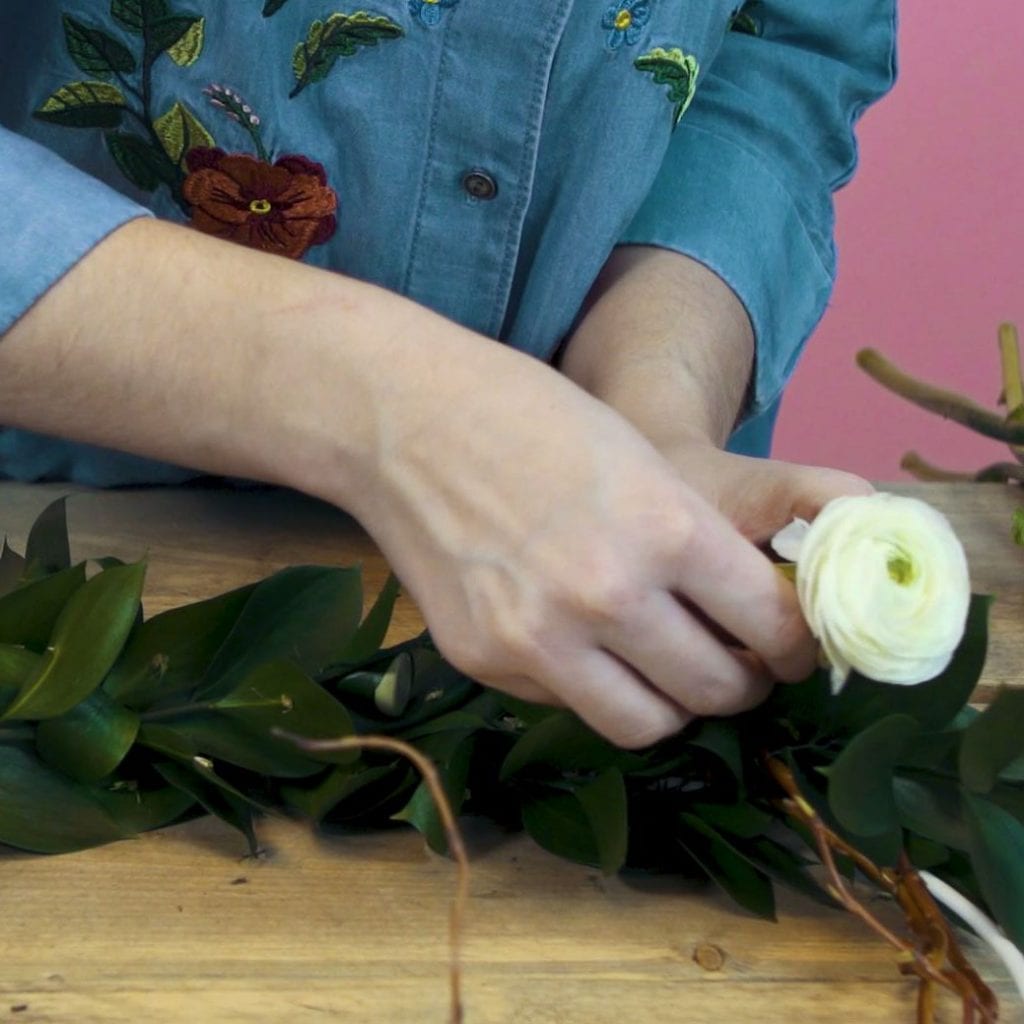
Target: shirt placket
<point>481,156</point>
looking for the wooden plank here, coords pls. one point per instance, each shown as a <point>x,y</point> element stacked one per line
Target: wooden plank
<point>352,926</point>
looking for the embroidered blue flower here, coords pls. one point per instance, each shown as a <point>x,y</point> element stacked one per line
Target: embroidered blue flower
<point>429,11</point>
<point>624,20</point>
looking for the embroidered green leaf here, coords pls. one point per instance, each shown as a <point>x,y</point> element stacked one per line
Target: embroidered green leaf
<point>340,35</point>
<point>179,130</point>
<point>187,49</point>
<point>140,161</point>
<point>272,7</point>
<point>164,34</point>
<point>136,14</point>
<point>95,52</point>
<point>84,105</point>
<point>675,69</point>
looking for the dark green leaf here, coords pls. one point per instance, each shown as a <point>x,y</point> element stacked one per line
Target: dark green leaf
<point>925,854</point>
<point>339,786</point>
<point>564,743</point>
<point>83,105</point>
<point>231,808</point>
<point>87,638</point>
<point>48,549</point>
<point>737,877</point>
<point>272,7</point>
<point>422,812</point>
<point>556,820</point>
<point>721,738</point>
<point>604,801</point>
<point>12,565</point>
<point>860,790</point>
<point>29,614</point>
<point>169,654</point>
<point>783,865</point>
<point>934,703</point>
<point>931,807</point>
<point>162,33</point>
<point>136,14</point>
<point>95,52</point>
<point>16,665</point>
<point>1014,771</point>
<point>44,811</point>
<point>367,639</point>
<point>140,810</point>
<point>740,819</point>
<point>993,741</point>
<point>144,164</point>
<point>997,855</point>
<point>279,695</point>
<point>304,614</point>
<point>89,741</point>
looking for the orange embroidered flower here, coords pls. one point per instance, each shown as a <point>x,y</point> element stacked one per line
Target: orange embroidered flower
<point>284,207</point>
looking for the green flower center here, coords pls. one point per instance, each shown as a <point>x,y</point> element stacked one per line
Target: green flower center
<point>260,206</point>
<point>901,569</point>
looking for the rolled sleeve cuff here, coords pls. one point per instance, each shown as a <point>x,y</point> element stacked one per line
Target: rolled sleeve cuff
<point>52,216</point>
<point>719,204</point>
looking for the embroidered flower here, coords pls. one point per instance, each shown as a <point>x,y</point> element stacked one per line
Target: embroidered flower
<point>624,21</point>
<point>429,11</point>
<point>284,207</point>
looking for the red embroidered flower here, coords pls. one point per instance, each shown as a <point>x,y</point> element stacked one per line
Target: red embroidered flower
<point>284,207</point>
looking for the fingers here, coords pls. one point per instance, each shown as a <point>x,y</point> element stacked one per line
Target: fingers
<point>663,643</point>
<point>614,701</point>
<point>734,584</point>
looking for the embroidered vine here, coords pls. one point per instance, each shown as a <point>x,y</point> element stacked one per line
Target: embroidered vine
<point>624,21</point>
<point>675,69</point>
<point>119,90</point>
<point>341,35</point>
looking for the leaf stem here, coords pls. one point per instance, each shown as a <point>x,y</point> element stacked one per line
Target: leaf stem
<point>948,404</point>
<point>455,842</point>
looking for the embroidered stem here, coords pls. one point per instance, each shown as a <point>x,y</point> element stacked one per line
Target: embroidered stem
<point>241,113</point>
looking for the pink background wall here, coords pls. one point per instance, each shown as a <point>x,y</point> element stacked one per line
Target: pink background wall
<point>931,247</point>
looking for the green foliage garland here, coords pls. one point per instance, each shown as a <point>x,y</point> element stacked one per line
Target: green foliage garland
<point>111,725</point>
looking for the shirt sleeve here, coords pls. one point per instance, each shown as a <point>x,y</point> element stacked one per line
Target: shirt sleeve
<point>746,185</point>
<point>51,216</point>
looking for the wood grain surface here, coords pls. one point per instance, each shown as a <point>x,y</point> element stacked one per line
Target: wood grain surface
<point>177,926</point>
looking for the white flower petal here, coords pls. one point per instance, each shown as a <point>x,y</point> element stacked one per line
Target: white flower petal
<point>788,541</point>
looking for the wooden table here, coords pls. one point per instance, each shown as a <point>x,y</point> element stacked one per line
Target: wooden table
<point>177,926</point>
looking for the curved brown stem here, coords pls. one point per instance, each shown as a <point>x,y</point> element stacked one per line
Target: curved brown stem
<point>455,843</point>
<point>996,473</point>
<point>948,404</point>
<point>936,958</point>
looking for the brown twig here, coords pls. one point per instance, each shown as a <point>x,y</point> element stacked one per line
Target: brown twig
<point>936,959</point>
<point>455,842</point>
<point>997,473</point>
<point>949,404</point>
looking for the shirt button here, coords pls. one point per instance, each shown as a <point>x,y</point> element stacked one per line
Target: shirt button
<point>479,184</point>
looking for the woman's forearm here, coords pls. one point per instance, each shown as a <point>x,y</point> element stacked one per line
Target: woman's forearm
<point>666,343</point>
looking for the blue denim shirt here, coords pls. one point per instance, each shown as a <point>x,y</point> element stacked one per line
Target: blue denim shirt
<point>480,158</point>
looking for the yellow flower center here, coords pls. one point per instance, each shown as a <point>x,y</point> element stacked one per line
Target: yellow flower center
<point>622,20</point>
<point>901,569</point>
<point>431,1</point>
<point>260,206</point>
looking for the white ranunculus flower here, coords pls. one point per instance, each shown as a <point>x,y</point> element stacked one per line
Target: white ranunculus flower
<point>883,584</point>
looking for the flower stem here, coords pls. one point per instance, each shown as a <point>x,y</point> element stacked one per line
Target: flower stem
<point>455,842</point>
<point>948,404</point>
<point>936,958</point>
